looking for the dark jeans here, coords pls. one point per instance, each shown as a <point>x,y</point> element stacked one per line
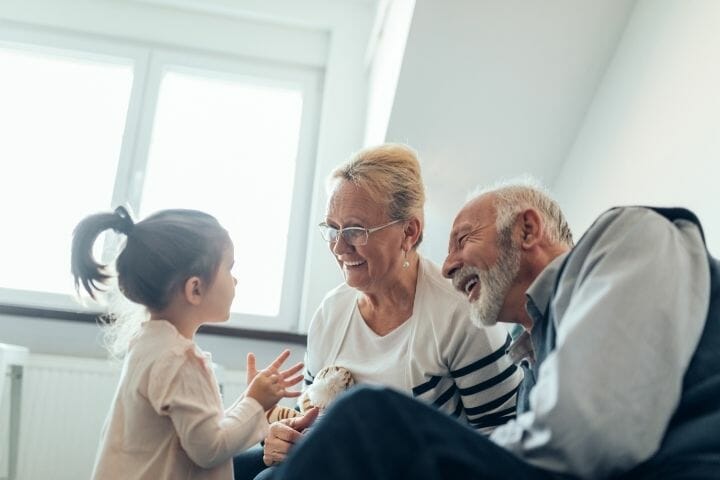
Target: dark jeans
<point>376,433</point>
<point>249,463</point>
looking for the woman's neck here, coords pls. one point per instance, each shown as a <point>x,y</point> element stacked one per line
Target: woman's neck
<point>386,310</point>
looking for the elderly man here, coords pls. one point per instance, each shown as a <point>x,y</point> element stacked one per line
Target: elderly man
<point>620,347</point>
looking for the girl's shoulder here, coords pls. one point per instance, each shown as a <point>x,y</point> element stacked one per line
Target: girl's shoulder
<point>160,346</point>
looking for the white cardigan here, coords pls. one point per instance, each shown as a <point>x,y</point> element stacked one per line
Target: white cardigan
<point>458,367</point>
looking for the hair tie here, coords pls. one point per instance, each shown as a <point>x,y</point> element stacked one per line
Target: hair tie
<point>126,224</point>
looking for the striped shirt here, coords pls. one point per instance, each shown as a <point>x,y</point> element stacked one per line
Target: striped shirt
<point>451,364</point>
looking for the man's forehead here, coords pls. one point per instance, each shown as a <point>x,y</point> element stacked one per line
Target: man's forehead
<point>477,210</point>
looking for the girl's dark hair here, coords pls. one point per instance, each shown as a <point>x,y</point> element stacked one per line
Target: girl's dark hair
<point>160,254</point>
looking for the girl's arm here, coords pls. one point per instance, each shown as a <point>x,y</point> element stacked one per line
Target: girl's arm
<point>186,392</point>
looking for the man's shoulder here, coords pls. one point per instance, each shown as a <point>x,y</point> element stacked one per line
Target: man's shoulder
<point>634,216</point>
<point>616,225</point>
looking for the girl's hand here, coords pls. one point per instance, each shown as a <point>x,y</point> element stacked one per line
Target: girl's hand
<point>268,386</point>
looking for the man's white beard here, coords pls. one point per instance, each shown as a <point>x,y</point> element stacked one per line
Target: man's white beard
<point>495,284</point>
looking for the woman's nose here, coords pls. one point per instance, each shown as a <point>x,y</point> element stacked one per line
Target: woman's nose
<point>340,246</point>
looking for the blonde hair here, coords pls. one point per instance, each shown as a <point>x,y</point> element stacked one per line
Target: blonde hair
<point>390,174</point>
<point>512,196</point>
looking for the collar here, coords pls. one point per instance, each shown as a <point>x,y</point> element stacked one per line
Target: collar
<point>538,297</point>
<point>540,291</point>
<point>521,349</point>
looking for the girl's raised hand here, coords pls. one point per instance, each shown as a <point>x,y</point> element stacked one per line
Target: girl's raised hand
<point>271,384</point>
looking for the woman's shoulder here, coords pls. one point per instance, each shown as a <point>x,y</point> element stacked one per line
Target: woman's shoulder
<point>336,302</point>
<point>340,294</point>
<point>433,288</point>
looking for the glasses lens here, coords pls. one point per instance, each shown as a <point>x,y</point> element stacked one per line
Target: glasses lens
<point>328,233</point>
<point>355,236</point>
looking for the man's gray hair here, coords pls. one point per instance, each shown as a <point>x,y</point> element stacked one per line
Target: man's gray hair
<point>515,195</point>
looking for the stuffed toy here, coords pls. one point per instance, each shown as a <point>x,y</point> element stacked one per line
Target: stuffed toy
<point>328,384</point>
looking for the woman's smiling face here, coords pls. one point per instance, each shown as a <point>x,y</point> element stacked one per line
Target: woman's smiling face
<point>370,267</point>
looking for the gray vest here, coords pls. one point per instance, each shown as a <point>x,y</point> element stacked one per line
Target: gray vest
<point>694,429</point>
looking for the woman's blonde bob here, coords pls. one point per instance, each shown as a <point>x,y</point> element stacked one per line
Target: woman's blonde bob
<point>390,174</point>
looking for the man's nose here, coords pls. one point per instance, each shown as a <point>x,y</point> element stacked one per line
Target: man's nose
<point>450,266</point>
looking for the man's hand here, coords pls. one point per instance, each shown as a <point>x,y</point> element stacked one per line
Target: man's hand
<point>284,434</point>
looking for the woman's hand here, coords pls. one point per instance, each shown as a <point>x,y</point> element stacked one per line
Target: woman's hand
<point>284,434</point>
<point>269,385</point>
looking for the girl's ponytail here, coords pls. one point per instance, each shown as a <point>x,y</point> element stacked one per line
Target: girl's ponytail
<point>85,269</point>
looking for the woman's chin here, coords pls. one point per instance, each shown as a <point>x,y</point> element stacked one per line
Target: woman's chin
<point>356,282</point>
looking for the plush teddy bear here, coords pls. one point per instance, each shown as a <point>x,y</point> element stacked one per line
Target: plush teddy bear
<point>328,384</point>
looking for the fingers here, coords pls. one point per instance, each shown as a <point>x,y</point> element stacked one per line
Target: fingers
<point>301,423</point>
<point>293,381</point>
<point>251,368</point>
<point>273,458</point>
<point>292,370</point>
<point>282,433</point>
<point>277,363</point>
<point>276,386</point>
<point>278,443</point>
<point>280,386</point>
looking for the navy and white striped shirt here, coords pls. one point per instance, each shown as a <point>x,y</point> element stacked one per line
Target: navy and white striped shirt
<point>450,363</point>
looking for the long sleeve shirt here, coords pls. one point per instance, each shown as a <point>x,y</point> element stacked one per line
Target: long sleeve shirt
<point>449,362</point>
<point>167,419</point>
<point>629,310</point>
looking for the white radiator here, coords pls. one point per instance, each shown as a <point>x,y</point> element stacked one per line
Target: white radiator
<point>64,404</point>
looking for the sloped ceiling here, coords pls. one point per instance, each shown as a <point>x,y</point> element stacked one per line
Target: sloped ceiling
<point>491,89</point>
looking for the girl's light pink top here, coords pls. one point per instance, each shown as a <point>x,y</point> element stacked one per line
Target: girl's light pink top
<point>167,419</point>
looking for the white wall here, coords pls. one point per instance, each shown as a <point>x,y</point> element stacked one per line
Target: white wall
<point>652,134</point>
<point>491,89</point>
<point>387,48</point>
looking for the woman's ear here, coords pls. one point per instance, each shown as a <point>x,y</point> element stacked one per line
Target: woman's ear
<point>193,290</point>
<point>412,230</point>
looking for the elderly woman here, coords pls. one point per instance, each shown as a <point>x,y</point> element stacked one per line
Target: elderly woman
<point>395,321</point>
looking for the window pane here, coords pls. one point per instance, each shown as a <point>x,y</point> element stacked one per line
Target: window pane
<point>61,128</point>
<point>229,148</point>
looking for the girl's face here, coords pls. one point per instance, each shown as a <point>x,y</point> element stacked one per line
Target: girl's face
<point>372,267</point>
<point>221,292</point>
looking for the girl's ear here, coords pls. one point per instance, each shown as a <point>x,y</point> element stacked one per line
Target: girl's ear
<point>193,290</point>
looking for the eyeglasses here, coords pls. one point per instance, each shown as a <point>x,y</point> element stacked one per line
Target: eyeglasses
<point>355,236</point>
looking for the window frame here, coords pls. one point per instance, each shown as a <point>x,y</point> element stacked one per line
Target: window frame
<point>149,61</point>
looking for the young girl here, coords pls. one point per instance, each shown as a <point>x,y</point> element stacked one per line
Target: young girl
<point>167,420</point>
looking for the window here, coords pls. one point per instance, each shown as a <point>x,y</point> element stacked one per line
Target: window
<point>228,147</point>
<point>84,130</point>
<point>61,128</point>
